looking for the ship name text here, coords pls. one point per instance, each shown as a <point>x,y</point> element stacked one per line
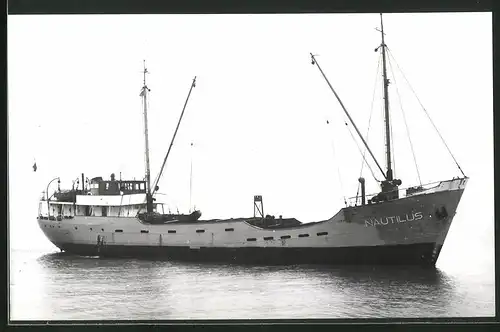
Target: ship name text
<point>414,216</point>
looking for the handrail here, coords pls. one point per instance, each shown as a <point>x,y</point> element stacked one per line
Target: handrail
<point>436,183</point>
<point>370,195</point>
<point>47,193</point>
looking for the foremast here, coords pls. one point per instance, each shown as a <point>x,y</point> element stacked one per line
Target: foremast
<point>144,93</point>
<point>386,104</point>
<point>390,185</point>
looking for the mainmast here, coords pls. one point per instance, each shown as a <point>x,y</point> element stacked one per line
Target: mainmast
<point>144,92</point>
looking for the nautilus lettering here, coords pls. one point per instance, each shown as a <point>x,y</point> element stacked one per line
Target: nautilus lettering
<point>382,221</point>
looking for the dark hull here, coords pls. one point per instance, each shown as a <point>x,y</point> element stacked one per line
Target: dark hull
<point>424,254</point>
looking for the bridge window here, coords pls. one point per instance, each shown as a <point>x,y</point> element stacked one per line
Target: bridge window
<point>268,238</point>
<point>118,230</point>
<point>200,231</point>
<point>144,231</point>
<point>303,235</point>
<point>252,239</point>
<point>322,233</point>
<point>229,229</point>
<point>172,231</point>
<point>286,237</point>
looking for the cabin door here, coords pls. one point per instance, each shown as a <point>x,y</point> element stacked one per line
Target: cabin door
<point>104,211</point>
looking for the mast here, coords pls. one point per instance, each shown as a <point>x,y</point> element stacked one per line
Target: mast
<point>144,91</point>
<point>386,106</point>
<point>191,179</point>
<point>389,188</point>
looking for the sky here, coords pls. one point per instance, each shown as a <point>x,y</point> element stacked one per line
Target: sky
<point>258,115</point>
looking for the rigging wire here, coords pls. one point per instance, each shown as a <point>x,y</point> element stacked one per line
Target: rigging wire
<point>193,84</point>
<point>369,122</point>
<point>315,62</point>
<point>359,149</point>
<point>426,113</point>
<point>338,170</point>
<point>406,124</point>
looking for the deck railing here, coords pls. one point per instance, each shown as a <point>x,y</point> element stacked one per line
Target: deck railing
<point>356,200</point>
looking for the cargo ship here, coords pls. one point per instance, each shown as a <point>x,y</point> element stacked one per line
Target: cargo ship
<point>122,218</point>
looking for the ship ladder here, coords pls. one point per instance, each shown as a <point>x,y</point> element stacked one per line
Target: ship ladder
<point>100,243</point>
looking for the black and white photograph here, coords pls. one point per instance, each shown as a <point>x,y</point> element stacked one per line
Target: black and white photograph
<point>250,166</point>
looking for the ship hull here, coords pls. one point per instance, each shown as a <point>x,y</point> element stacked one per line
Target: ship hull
<point>422,254</point>
<point>407,231</point>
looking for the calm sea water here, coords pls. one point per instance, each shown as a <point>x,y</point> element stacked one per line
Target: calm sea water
<point>48,285</point>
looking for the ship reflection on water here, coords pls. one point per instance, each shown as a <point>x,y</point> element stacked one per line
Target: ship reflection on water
<point>174,290</point>
<point>349,273</point>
